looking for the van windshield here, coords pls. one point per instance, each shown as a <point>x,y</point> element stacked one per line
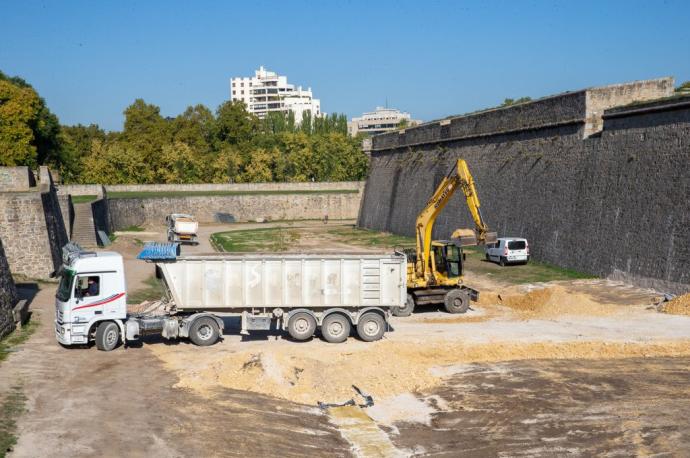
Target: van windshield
<point>65,288</point>
<point>517,245</point>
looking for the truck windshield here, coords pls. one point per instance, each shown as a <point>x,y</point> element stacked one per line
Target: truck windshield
<point>516,245</point>
<point>65,288</point>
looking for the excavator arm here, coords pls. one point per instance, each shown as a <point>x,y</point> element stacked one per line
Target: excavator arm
<point>458,177</point>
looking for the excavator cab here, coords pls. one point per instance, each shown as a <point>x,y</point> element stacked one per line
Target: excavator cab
<point>447,261</point>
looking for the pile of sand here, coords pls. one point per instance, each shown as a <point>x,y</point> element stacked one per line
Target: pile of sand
<point>383,369</point>
<point>554,301</point>
<point>677,306</point>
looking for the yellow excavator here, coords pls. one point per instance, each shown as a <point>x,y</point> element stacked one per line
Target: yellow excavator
<point>434,268</point>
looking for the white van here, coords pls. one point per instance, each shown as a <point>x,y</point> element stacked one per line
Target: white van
<point>508,250</point>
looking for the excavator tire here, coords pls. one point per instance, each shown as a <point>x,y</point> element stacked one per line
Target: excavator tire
<point>407,309</point>
<point>457,301</point>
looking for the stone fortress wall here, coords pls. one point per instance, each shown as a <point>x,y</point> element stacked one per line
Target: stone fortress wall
<point>8,295</point>
<point>598,180</point>
<point>31,223</point>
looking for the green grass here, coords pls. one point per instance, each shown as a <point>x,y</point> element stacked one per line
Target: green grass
<point>153,291</point>
<point>252,240</point>
<point>17,337</point>
<point>533,272</point>
<point>132,229</point>
<point>154,194</point>
<point>11,408</point>
<point>83,199</point>
<point>368,238</point>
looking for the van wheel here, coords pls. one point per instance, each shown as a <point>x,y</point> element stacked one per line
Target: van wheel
<point>457,301</point>
<point>301,326</point>
<point>486,256</point>
<point>407,309</point>
<point>371,327</point>
<point>107,336</point>
<point>502,262</point>
<point>335,328</point>
<point>204,331</point>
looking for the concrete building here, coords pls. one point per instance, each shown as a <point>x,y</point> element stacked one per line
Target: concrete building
<point>267,92</point>
<point>379,121</point>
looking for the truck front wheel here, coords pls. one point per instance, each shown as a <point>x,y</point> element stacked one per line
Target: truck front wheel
<point>204,332</point>
<point>107,336</point>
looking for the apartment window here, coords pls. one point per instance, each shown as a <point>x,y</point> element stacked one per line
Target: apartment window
<point>233,91</point>
<point>242,84</point>
<point>242,92</point>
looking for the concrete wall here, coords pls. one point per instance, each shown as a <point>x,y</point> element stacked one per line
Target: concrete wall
<point>8,295</point>
<point>208,209</point>
<point>613,204</point>
<point>16,179</point>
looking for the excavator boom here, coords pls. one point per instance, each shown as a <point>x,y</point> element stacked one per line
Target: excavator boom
<point>458,177</point>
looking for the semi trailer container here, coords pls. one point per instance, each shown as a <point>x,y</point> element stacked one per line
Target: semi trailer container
<point>299,293</point>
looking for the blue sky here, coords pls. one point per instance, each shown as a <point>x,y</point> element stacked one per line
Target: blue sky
<point>89,60</point>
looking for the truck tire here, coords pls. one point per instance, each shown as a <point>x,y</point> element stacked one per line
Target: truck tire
<point>407,309</point>
<point>335,328</point>
<point>456,301</point>
<point>371,327</point>
<point>301,326</point>
<point>502,262</point>
<point>107,336</point>
<point>204,331</point>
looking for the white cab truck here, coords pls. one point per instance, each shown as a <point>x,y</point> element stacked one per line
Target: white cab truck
<point>295,292</point>
<point>182,228</point>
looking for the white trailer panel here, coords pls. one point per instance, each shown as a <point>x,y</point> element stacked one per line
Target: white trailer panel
<point>227,281</point>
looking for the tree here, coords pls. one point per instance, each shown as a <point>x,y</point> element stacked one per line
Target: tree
<point>19,109</point>
<point>178,163</point>
<point>145,129</point>
<point>684,88</point>
<point>116,163</point>
<point>234,125</point>
<point>195,128</point>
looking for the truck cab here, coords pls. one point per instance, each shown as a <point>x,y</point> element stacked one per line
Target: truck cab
<point>92,290</point>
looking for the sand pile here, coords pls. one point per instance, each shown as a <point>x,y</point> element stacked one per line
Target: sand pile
<point>308,374</point>
<point>677,306</point>
<point>554,301</point>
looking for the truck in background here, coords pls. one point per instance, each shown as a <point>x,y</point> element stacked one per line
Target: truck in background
<point>299,293</point>
<point>182,228</point>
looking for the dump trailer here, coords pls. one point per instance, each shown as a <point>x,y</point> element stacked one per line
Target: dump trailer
<point>299,293</point>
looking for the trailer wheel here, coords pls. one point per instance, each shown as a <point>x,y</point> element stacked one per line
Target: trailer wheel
<point>335,328</point>
<point>301,326</point>
<point>407,309</point>
<point>107,336</point>
<point>371,327</point>
<point>204,331</point>
<point>457,301</point>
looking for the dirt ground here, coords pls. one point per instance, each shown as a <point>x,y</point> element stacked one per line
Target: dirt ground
<point>581,367</point>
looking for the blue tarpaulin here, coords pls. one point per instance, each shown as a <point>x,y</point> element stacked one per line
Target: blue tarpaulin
<point>159,251</point>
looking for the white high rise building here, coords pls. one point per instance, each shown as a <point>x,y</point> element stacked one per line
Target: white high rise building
<point>267,92</point>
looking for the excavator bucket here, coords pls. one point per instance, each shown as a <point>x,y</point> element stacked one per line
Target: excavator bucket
<point>490,237</point>
<point>466,237</point>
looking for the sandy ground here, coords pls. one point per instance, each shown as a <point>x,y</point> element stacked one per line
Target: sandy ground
<point>580,367</point>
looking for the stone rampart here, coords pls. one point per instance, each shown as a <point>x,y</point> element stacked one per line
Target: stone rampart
<point>97,190</point>
<point>16,179</point>
<point>33,230</point>
<point>613,204</point>
<point>8,295</point>
<point>229,208</point>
